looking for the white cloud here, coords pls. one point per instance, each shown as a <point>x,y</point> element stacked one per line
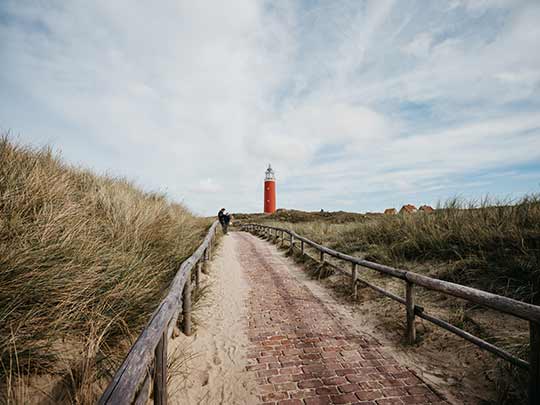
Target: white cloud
<point>372,96</point>
<point>208,186</point>
<point>484,4</point>
<point>420,45</point>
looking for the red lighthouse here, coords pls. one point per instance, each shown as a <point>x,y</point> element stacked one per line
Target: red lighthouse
<point>269,191</point>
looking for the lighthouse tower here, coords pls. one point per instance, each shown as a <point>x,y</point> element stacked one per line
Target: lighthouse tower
<point>269,191</point>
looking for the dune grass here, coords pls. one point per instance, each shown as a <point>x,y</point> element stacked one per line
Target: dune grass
<point>84,260</point>
<point>492,245</point>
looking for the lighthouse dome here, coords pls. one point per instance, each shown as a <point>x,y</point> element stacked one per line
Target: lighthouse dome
<point>269,175</point>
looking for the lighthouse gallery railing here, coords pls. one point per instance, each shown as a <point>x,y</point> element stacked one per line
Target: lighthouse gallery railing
<point>507,305</point>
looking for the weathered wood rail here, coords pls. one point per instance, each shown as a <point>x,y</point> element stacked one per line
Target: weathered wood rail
<point>528,312</point>
<point>146,363</point>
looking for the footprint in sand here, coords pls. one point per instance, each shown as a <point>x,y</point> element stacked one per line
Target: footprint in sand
<point>205,378</point>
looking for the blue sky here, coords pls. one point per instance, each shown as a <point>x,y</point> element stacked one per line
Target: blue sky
<point>359,105</point>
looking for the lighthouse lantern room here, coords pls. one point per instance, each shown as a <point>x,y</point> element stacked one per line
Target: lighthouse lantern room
<point>269,191</point>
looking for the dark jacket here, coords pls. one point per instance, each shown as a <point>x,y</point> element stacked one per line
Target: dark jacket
<point>224,218</point>
<point>221,215</point>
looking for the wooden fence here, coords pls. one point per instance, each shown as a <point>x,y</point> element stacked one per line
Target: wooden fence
<point>528,312</point>
<point>146,363</point>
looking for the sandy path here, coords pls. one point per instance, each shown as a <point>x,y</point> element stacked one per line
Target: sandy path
<point>217,350</point>
<point>271,336</point>
<point>304,351</point>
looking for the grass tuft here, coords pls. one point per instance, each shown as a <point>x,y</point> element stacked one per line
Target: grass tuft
<point>490,245</point>
<point>84,260</point>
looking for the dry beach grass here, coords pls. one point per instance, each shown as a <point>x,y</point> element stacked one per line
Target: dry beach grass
<point>494,246</point>
<point>84,260</point>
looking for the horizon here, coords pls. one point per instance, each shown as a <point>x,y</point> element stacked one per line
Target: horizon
<point>486,201</point>
<point>358,106</point>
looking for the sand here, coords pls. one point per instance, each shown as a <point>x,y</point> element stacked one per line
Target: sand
<point>347,313</point>
<point>217,371</point>
<point>216,352</point>
<point>439,368</point>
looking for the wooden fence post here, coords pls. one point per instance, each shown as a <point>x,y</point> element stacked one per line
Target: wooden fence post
<point>534,363</point>
<point>198,274</point>
<point>534,358</point>
<point>291,248</point>
<point>321,260</point>
<point>354,285</point>
<point>206,258</point>
<point>409,302</point>
<point>186,307</point>
<point>160,371</point>
<point>302,247</point>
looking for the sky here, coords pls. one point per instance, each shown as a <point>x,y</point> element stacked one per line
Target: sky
<point>358,105</point>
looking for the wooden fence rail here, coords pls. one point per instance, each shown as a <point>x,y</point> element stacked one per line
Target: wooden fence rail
<point>528,312</point>
<point>146,363</point>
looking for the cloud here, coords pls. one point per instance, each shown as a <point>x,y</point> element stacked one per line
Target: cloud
<point>208,186</point>
<point>419,46</point>
<point>356,104</point>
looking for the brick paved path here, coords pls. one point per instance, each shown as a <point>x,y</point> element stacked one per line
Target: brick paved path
<point>301,355</point>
